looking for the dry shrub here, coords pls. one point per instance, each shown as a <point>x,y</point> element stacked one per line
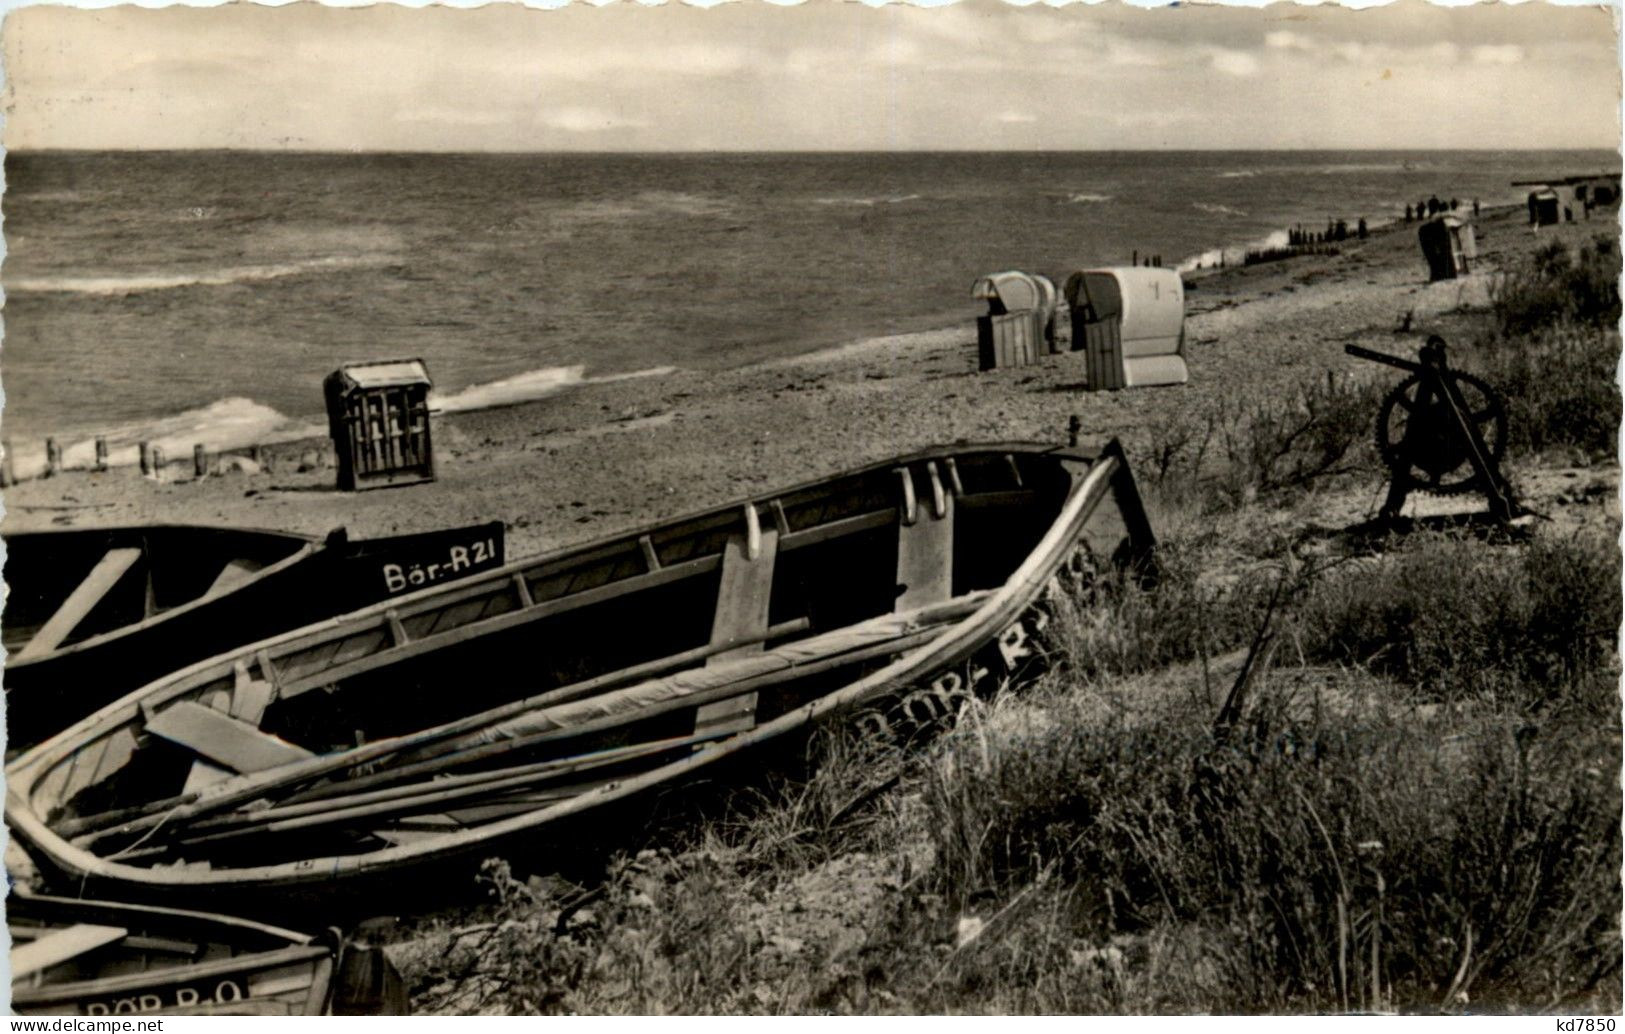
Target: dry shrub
<point>1555,286</point>
<point>1227,453</point>
<point>1530,628</point>
<point>1558,386</point>
<point>1334,862</point>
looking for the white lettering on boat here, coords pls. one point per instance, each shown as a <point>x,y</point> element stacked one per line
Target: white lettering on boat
<point>183,997</point>
<point>407,576</point>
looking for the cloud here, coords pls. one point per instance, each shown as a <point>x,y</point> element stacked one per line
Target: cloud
<point>1505,54</point>
<point>453,116</point>
<point>656,57</point>
<point>1124,54</point>
<point>1235,62</point>
<point>587,120</point>
<point>1285,39</point>
<point>830,75</point>
<point>1443,53</point>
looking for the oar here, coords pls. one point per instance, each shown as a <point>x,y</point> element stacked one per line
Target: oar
<point>231,792</point>
<point>386,802</point>
<point>348,793</point>
<point>443,762</point>
<point>537,771</point>
<point>425,801</point>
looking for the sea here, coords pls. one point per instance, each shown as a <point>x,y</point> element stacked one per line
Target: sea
<point>203,296</point>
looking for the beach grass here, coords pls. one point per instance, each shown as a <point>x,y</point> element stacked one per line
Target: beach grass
<point>1415,810</point>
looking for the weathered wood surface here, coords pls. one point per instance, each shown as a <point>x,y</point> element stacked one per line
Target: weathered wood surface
<point>222,739</point>
<point>97,584</point>
<point>60,946</point>
<point>388,806</point>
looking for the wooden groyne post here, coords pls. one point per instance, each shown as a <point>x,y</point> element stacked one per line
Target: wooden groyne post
<point>101,453</point>
<point>8,473</point>
<point>53,457</point>
<point>200,460</point>
<point>146,459</point>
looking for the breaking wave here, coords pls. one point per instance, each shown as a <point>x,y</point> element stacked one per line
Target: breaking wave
<point>229,423</point>
<point>1089,199</point>
<point>139,282</point>
<point>528,386</point>
<point>237,423</point>
<point>1215,209</point>
<point>868,202</point>
<point>1233,254</point>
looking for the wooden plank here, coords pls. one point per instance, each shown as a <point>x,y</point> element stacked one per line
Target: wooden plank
<point>232,575</point>
<point>168,945</point>
<point>204,774</point>
<point>741,617</point>
<point>250,699</point>
<point>388,655</point>
<point>225,741</point>
<point>925,551</point>
<point>249,696</point>
<point>61,946</point>
<point>106,574</point>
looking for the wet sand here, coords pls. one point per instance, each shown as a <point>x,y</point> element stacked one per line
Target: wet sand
<point>603,458</point>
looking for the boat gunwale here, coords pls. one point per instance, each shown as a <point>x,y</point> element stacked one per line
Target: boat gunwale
<point>208,969</point>
<point>311,546</point>
<point>306,945</point>
<point>1087,490</point>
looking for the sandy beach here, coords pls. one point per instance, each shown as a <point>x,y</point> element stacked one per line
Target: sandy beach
<point>601,458</point>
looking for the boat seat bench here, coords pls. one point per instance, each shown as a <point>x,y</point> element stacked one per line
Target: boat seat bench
<point>746,590</point>
<point>221,739</point>
<point>107,573</point>
<point>61,946</point>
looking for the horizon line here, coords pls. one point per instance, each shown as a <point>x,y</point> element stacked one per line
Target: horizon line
<point>677,152</point>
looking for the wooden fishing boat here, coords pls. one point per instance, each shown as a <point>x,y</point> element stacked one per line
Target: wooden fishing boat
<point>97,958</point>
<point>362,753</point>
<point>93,613</point>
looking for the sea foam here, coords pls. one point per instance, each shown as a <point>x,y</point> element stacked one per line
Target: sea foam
<point>529,386</point>
<point>136,283</point>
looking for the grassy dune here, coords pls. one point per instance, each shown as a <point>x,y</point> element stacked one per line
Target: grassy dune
<point>1415,808</point>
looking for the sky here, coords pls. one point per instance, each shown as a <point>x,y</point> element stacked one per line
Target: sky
<point>823,75</point>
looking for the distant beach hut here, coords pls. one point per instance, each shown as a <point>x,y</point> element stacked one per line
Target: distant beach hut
<point>1130,323</point>
<point>1019,327</point>
<point>1544,208</point>
<point>1449,246</point>
<point>378,414</point>
<point>1597,193</point>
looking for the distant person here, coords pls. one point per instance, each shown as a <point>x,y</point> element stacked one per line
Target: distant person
<point>1454,204</point>
<point>1407,213</point>
<point>1361,229</point>
<point>1568,214</point>
<point>1475,208</point>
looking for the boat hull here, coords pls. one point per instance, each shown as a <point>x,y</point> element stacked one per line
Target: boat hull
<point>97,958</point>
<point>922,669</point>
<point>177,602</point>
